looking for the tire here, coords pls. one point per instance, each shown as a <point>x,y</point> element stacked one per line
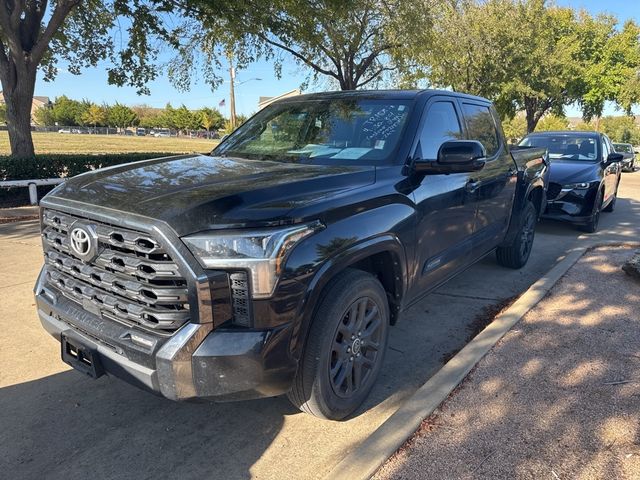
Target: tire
<point>517,254</point>
<point>592,225</point>
<point>327,384</point>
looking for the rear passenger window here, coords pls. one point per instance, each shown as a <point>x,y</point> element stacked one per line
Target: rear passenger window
<point>440,125</point>
<point>481,127</point>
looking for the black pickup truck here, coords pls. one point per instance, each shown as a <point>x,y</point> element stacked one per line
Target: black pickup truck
<point>278,263</point>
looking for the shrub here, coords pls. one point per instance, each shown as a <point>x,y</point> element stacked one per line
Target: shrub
<point>54,166</point>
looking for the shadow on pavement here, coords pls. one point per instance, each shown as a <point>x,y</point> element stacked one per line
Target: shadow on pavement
<point>66,425</point>
<point>558,397</point>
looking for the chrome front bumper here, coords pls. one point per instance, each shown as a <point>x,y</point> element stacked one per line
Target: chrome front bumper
<point>195,362</point>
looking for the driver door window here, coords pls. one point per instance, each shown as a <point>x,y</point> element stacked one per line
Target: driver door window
<point>440,125</point>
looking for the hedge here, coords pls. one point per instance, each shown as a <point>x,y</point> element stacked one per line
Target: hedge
<point>56,165</point>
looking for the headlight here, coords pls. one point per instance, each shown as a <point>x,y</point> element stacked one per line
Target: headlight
<point>262,252</point>
<point>576,186</point>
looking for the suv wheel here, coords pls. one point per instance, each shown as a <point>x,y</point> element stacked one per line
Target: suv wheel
<point>345,347</point>
<point>594,221</point>
<point>517,254</point>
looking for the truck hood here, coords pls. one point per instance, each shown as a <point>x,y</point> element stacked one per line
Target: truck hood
<point>198,192</point>
<point>566,171</point>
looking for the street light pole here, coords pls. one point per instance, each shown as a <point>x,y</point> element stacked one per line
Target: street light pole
<point>232,96</point>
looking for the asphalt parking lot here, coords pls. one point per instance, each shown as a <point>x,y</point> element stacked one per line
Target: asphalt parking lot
<point>57,423</point>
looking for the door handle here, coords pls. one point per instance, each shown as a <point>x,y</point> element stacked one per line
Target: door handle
<point>472,186</point>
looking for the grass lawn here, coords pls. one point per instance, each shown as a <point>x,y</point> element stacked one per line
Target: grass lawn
<point>74,143</point>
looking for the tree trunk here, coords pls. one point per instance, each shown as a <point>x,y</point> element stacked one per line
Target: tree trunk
<point>17,89</point>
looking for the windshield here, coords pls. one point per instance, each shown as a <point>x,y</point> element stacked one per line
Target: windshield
<point>623,148</point>
<point>364,131</point>
<point>565,147</point>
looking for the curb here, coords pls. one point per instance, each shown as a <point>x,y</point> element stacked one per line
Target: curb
<point>366,458</point>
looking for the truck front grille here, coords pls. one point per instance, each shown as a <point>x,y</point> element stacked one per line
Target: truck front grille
<point>131,279</point>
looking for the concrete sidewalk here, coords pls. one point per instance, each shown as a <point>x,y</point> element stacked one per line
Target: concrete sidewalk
<point>558,397</point>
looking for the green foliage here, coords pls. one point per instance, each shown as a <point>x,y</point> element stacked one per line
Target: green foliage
<point>610,61</point>
<point>517,53</point>
<point>552,122</point>
<point>186,120</point>
<point>350,42</point>
<point>3,113</point>
<point>53,166</point>
<point>623,129</point>
<point>64,165</point>
<point>211,119</point>
<point>515,128</point>
<point>585,126</point>
<point>44,116</point>
<point>532,56</point>
<point>66,111</point>
<point>121,116</point>
<point>95,116</point>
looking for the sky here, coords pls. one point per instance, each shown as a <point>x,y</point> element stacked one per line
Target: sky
<point>92,83</point>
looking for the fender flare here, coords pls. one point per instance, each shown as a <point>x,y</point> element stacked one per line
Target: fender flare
<point>342,260</point>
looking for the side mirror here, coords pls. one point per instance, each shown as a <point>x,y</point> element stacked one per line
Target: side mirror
<point>614,157</point>
<point>455,156</point>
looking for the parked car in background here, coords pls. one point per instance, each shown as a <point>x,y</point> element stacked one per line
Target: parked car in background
<point>628,156</point>
<point>584,177</point>
<point>278,265</point>
<point>162,132</point>
<point>141,132</point>
<point>64,130</point>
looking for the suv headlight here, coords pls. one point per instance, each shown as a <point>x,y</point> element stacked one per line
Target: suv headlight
<point>577,186</point>
<point>262,252</point>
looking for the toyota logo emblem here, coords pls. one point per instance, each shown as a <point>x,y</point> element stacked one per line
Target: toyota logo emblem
<point>81,242</point>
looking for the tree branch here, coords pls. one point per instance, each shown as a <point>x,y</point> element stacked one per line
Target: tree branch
<point>299,56</point>
<point>374,75</point>
<point>62,10</point>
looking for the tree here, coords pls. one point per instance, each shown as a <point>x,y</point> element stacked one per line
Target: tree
<point>66,111</point>
<point>185,120</point>
<point>585,127</point>
<point>518,53</point>
<point>621,129</point>
<point>211,118</point>
<point>515,128</point>
<point>610,61</point>
<point>44,116</point>
<point>352,42</point>
<point>168,117</point>
<point>121,116</point>
<point>552,122</point>
<point>37,35</point>
<point>3,113</point>
<point>95,115</point>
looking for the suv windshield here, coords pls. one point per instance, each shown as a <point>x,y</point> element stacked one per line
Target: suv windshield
<point>623,148</point>
<point>358,130</point>
<point>565,147</point>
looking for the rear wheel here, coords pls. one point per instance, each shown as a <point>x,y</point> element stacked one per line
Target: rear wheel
<point>594,221</point>
<point>517,254</point>
<point>345,348</point>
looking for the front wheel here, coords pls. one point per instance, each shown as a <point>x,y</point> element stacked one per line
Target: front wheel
<point>345,347</point>
<point>517,253</point>
<point>592,225</point>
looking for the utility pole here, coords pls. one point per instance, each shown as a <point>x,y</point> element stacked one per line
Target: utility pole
<point>232,97</point>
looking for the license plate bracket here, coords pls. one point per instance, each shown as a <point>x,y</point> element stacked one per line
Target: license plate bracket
<point>79,355</point>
